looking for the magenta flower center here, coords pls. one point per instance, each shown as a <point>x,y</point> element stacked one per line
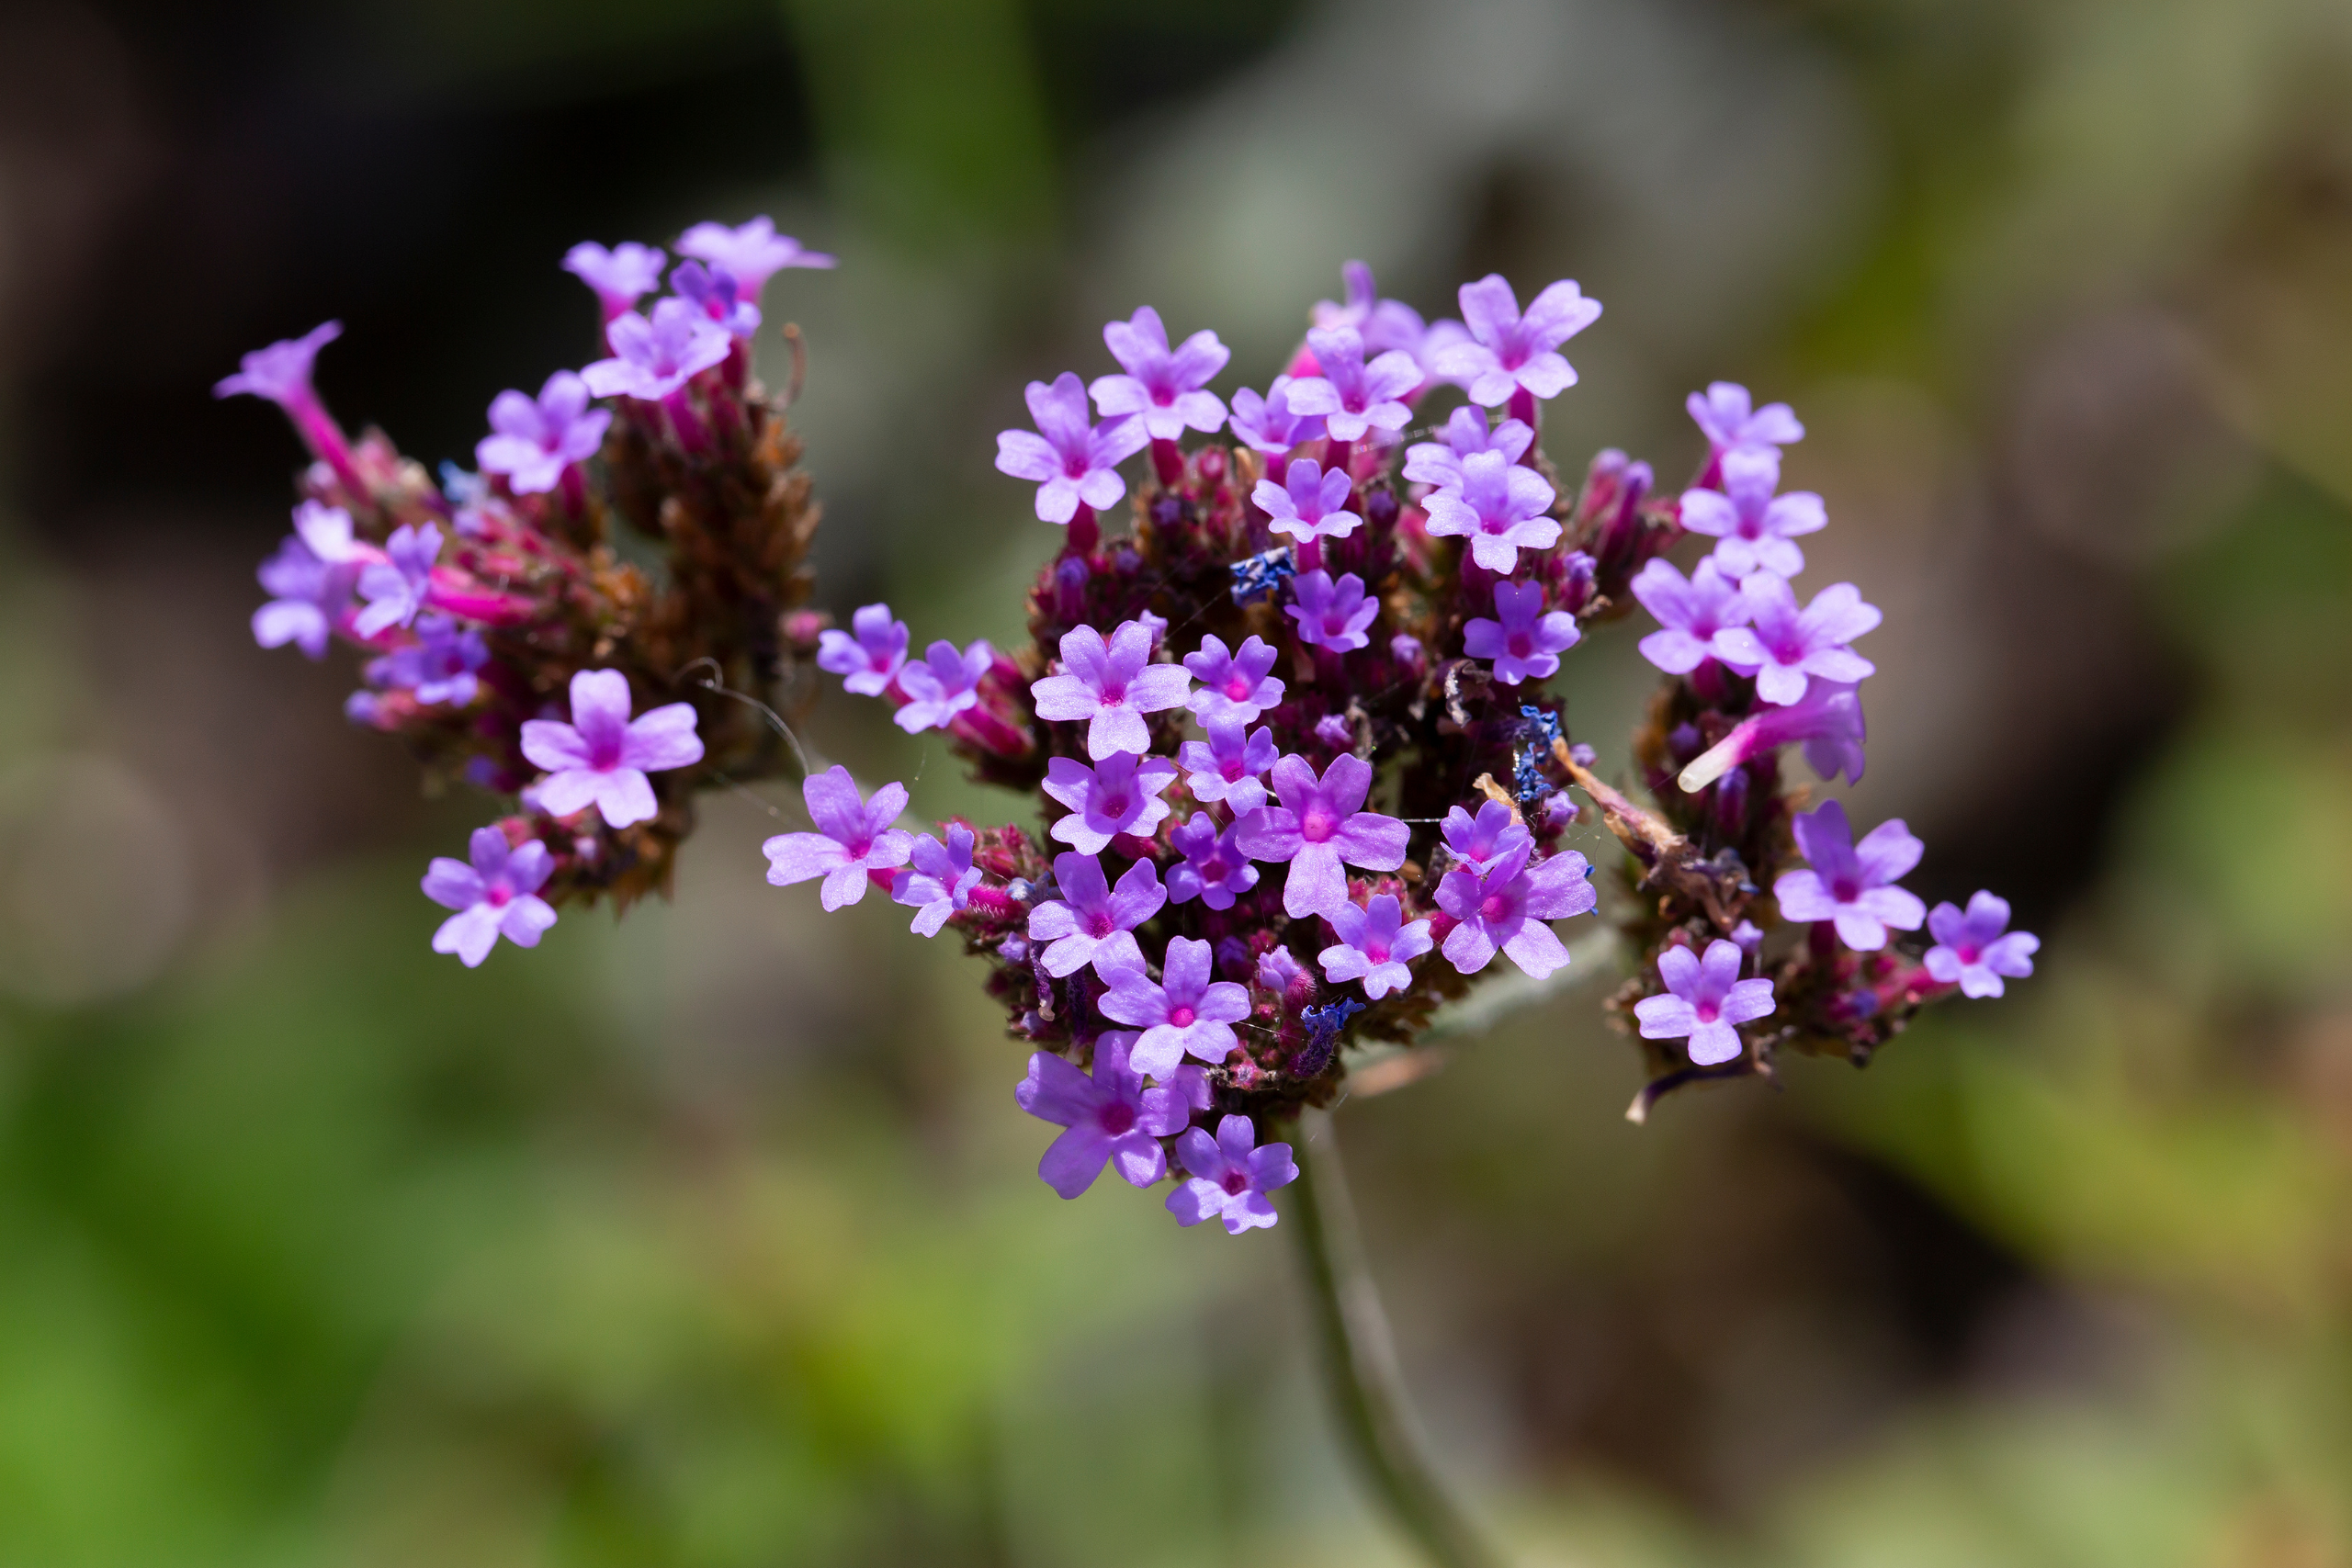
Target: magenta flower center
<point>499,894</point>
<point>1215,869</point>
<point>605,749</point>
<point>859,848</point>
<point>1844,890</point>
<point>1232,769</point>
<point>1235,1183</point>
<point>1181,1016</point>
<point>1377,951</point>
<point>1318,823</point>
<point>1115,807</point>
<point>1969,951</point>
<point>1117,1117</point>
<point>1113,695</point>
<point>1707,1011</point>
<point>1519,644</point>
<point>1495,907</point>
<point>1237,688</point>
<point>1099,924</point>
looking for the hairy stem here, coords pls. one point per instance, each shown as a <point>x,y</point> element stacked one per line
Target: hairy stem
<point>1359,1360</point>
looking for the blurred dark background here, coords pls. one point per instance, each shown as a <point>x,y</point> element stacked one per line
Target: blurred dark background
<point>666,1244</point>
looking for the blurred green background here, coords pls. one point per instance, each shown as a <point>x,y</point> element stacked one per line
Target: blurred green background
<point>713,1238</point>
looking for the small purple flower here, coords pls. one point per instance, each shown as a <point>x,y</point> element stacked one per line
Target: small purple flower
<point>1269,424</point>
<point>1228,1177</point>
<point>1111,686</point>
<point>1384,323</point>
<point>601,758</point>
<point>1234,685</point>
<point>537,439</point>
<point>1706,998</point>
<point>653,358</point>
<point>1118,794</point>
<point>867,657</point>
<point>1479,842</point>
<point>713,291</point>
<point>1853,884</point>
<point>309,580</point>
<point>1510,352</point>
<point>1070,460</point>
<point>1334,615</point>
<point>496,896</point>
<point>1784,647</point>
<point>281,372</point>
<point>1828,719</point>
<point>394,588</point>
<point>1111,1117</point>
<point>1310,504</point>
<point>1754,526</point>
<point>1506,907</point>
<point>939,880</point>
<point>1228,768</point>
<point>1320,825</point>
<point>854,837</point>
<point>1214,870</point>
<point>1722,413</point>
<point>753,253</point>
<point>438,666</point>
<point>620,276</point>
<point>1375,945</point>
<point>1524,641</point>
<point>1090,924</point>
<point>1466,435</point>
<point>1500,507</point>
<point>1162,386</point>
<point>1353,397</point>
<point>1973,950</point>
<point>945,684</point>
<point>1280,971</point>
<point>1692,610</point>
<point>1334,730</point>
<point>1184,1014</point>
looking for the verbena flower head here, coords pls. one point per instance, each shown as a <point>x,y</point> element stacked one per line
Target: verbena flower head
<point>1319,827</point>
<point>1440,463</point>
<point>869,656</point>
<point>1310,504</point>
<point>1500,507</point>
<point>1976,950</point>
<point>1731,424</point>
<point>1754,526</point>
<point>1092,924</point>
<point>1852,885</point>
<point>1270,424</point>
<point>496,896</point>
<point>1111,686</point>
<point>533,440</point>
<point>854,839</point>
<point>1118,794</point>
<point>1376,944</point>
<point>943,684</point>
<point>395,587</point>
<point>1072,460</point>
<point>603,756</point>
<point>715,292</point>
<point>1523,641</point>
<point>1182,1014</point>
<point>1229,766</point>
<point>1705,1002</point>
<point>1351,396</point>
<point>940,878</point>
<point>1113,1117</point>
<point>752,251</point>
<point>1332,614</point>
<point>1228,1177</point>
<point>1163,387</point>
<point>621,276</point>
<point>652,357</point>
<point>1785,646</point>
<point>1505,907</point>
<point>1690,610</point>
<point>1510,352</point>
<point>1215,869</point>
<point>438,666</point>
<point>1233,684</point>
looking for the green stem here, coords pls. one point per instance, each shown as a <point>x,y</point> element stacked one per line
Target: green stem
<point>1359,1360</point>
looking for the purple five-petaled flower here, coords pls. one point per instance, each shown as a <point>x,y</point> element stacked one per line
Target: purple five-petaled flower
<point>1506,906</point>
<point>1523,641</point>
<point>715,292</point>
<point>753,253</point>
<point>868,657</point>
<point>1228,1177</point>
<point>535,439</point>
<point>1111,686</point>
<point>1510,352</point>
<point>652,358</point>
<point>395,587</point>
<point>1234,684</point>
<point>1850,884</point>
<point>620,276</point>
<point>1384,323</point>
<point>1163,386</point>
<point>1375,944</point>
<point>1118,794</point>
<point>1501,507</point>
<point>1111,1117</point>
<point>1705,1001</point>
<point>310,581</point>
<point>1691,609</point>
<point>1319,826</point>
<point>854,838</point>
<point>938,880</point>
<point>601,758</point>
<point>1477,842</point>
<point>1727,414</point>
<point>1182,1014</point>
<point>496,896</point>
<point>1270,424</point>
<point>1828,719</point>
<point>1440,464</point>
<point>1310,504</point>
<point>1753,525</point>
<point>1070,458</point>
<point>943,684</point>
<point>438,666</point>
<point>1784,647</point>
<point>1351,396</point>
<point>1337,615</point>
<point>1091,923</point>
<point>1228,767</point>
<point>1976,949</point>
<point>1215,869</point>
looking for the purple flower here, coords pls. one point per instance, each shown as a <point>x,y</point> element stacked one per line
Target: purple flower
<point>1973,950</point>
<point>653,358</point>
<point>438,666</point>
<point>1353,397</point>
<point>1092,924</point>
<point>870,660</point>
<point>1723,413</point>
<point>1853,884</point>
<point>1118,794</point>
<point>940,880</point>
<point>1233,685</point>
<point>1477,842</point>
<point>1228,767</point>
<point>1754,526</point>
<point>309,580</point>
<point>753,253</point>
<point>281,372</point>
<point>603,755</point>
<point>496,896</point>
<point>1333,615</point>
<point>1270,424</point>
<point>945,684</point>
<point>1111,686</point>
<point>538,438</point>
<point>1070,460</point>
<point>1310,504</point>
<point>1499,506</point>
<point>1183,1013</point>
<point>713,291</point>
<point>394,588</point>
<point>1828,719</point>
<point>853,838</point>
<point>1510,352</point>
<point>1430,463</point>
<point>1524,641</point>
<point>1320,825</point>
<point>1335,732</point>
<point>1384,323</point>
<point>1706,998</point>
<point>1692,610</point>
<point>1279,972</point>
<point>1506,907</point>
<point>1783,647</point>
<point>1214,870</point>
<point>620,276</point>
<point>1374,946</point>
<point>1228,1177</point>
<point>1111,1116</point>
<point>1164,388</point>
